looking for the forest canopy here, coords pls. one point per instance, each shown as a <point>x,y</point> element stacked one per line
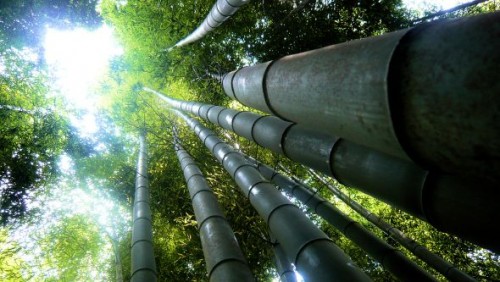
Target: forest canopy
<point>67,195</point>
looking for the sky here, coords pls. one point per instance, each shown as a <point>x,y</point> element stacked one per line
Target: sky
<point>442,4</point>
<point>77,60</point>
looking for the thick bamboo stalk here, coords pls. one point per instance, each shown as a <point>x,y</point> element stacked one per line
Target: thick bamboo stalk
<point>388,256</point>
<point>429,93</point>
<point>143,259</point>
<point>316,257</point>
<point>223,256</point>
<point>438,263</point>
<point>452,204</point>
<point>283,264</point>
<point>220,12</point>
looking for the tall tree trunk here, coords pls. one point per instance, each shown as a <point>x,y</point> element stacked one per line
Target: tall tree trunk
<point>309,248</point>
<point>452,204</point>
<point>390,258</point>
<point>419,94</point>
<point>223,257</point>
<point>143,259</point>
<point>221,11</point>
<point>438,263</point>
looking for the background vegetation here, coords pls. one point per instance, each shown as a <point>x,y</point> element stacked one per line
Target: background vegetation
<point>35,132</point>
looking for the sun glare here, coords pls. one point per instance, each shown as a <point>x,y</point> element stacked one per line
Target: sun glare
<point>77,59</point>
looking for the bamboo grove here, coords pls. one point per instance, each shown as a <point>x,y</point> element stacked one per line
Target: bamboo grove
<point>408,117</point>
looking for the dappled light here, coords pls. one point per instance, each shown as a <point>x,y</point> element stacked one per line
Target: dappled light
<point>100,219</point>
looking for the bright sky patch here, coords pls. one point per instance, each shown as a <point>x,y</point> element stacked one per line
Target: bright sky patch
<point>441,4</point>
<point>78,59</point>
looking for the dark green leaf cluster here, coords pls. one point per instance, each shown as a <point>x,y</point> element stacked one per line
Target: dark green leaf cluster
<point>32,134</point>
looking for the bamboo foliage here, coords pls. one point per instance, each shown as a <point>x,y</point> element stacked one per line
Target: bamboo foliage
<point>309,248</point>
<point>452,204</point>
<point>390,258</point>
<point>143,260</point>
<point>223,257</point>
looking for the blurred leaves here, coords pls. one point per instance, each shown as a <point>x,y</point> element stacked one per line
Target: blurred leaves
<point>35,132</point>
<point>32,135</point>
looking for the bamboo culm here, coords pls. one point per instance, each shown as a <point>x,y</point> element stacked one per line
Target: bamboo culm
<point>309,248</point>
<point>143,259</point>
<point>391,258</point>
<point>452,204</point>
<point>429,93</point>
<point>220,12</point>
<point>223,256</point>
